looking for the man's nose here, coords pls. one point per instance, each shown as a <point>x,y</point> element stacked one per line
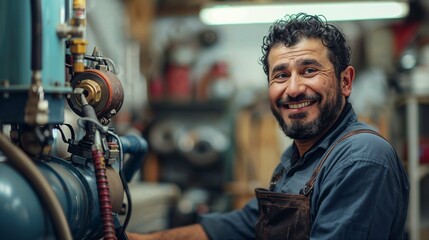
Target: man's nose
<point>295,86</point>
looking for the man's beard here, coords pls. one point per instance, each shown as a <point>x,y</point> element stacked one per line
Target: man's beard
<point>302,131</point>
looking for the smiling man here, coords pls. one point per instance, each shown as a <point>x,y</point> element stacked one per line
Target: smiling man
<point>339,179</point>
<point>304,98</point>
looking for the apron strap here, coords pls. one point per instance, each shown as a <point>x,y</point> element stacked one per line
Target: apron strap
<point>309,185</point>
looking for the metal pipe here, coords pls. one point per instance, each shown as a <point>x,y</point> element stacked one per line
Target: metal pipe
<point>36,35</point>
<point>137,147</point>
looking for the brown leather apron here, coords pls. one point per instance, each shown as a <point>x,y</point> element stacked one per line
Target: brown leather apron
<point>287,216</point>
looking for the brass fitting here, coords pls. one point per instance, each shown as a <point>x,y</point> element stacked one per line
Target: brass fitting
<point>78,49</point>
<point>78,46</point>
<point>77,22</point>
<point>79,4</point>
<point>92,91</point>
<point>78,67</point>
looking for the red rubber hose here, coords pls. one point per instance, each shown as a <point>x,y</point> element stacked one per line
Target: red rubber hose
<point>103,194</point>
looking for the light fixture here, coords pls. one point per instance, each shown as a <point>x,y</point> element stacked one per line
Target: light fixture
<point>245,13</point>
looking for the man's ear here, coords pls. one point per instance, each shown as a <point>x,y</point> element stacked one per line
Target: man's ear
<point>347,77</point>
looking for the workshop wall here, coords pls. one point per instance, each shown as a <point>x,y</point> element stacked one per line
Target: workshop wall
<point>112,35</point>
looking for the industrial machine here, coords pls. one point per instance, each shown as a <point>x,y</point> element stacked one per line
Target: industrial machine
<point>44,68</point>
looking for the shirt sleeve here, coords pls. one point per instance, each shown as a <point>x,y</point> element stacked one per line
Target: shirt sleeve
<point>238,224</point>
<point>364,196</point>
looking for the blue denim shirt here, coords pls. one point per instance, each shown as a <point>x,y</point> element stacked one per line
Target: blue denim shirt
<point>360,193</point>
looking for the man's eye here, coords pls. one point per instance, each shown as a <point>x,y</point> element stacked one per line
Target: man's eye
<point>282,75</point>
<point>310,71</point>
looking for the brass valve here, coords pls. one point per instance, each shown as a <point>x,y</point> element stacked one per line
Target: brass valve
<point>92,91</point>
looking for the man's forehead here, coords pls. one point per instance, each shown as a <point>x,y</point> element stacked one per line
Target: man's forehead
<point>304,43</point>
<point>308,48</point>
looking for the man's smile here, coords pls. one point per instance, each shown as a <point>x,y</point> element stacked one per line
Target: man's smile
<point>299,105</point>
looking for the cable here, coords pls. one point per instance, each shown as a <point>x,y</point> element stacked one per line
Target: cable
<point>98,125</point>
<point>63,136</point>
<point>23,164</point>
<point>124,183</point>
<point>114,68</point>
<point>111,66</point>
<point>129,206</point>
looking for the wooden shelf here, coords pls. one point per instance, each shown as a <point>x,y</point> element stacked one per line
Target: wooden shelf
<point>402,99</point>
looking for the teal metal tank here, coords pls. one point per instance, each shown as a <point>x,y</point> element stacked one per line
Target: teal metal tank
<point>15,59</point>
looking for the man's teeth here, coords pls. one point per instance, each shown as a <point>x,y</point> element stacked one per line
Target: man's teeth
<point>299,105</point>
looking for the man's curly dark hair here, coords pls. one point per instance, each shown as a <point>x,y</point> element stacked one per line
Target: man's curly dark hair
<point>292,28</point>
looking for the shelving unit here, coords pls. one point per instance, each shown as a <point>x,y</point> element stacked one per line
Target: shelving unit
<point>416,170</point>
<point>413,129</point>
<point>191,144</point>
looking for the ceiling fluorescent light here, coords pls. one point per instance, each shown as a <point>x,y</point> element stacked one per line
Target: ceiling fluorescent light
<point>245,13</point>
